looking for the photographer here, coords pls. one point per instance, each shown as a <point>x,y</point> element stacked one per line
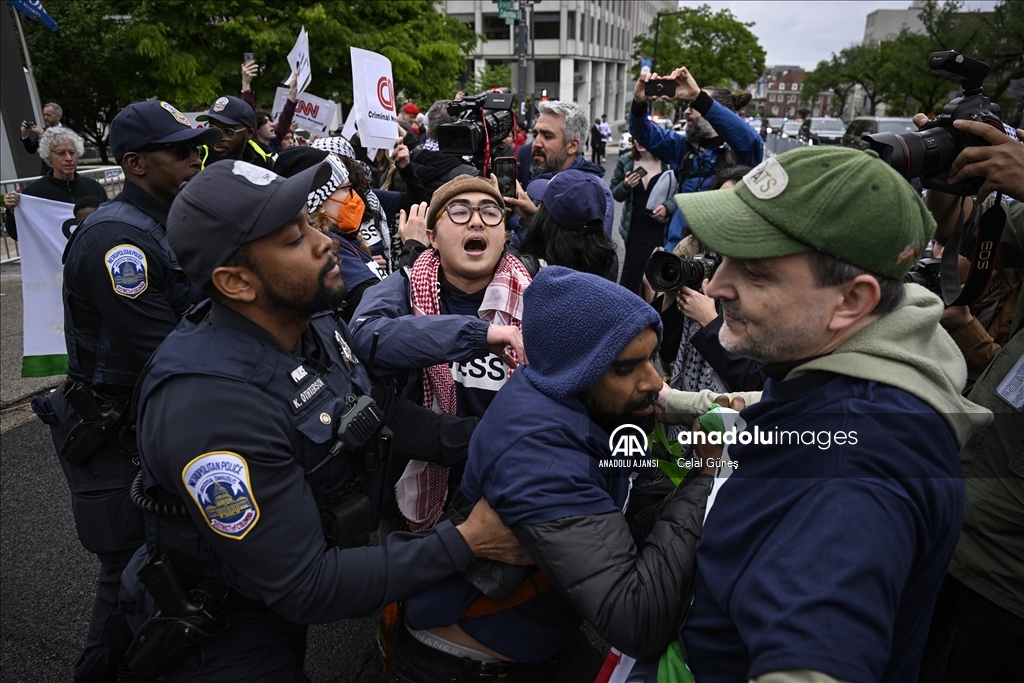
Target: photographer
<point>715,136</point>
<point>978,628</point>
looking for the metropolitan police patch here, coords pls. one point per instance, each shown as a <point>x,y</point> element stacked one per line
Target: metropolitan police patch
<point>219,484</point>
<point>128,270</point>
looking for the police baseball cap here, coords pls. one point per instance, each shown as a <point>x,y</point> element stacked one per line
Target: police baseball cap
<point>844,202</point>
<point>227,205</point>
<point>153,122</point>
<point>576,200</point>
<point>230,111</point>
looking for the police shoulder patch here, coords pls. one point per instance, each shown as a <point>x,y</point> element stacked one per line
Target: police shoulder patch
<point>218,483</point>
<point>128,270</point>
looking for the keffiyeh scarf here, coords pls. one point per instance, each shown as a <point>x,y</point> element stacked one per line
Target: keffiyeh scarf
<point>422,489</point>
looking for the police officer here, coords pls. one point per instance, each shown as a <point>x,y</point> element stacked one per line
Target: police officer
<point>257,441</point>
<point>236,121</point>
<point>123,293</point>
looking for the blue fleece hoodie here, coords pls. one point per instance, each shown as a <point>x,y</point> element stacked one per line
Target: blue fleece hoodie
<point>544,465</point>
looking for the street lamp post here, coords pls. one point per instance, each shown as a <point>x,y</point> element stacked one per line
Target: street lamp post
<point>657,30</point>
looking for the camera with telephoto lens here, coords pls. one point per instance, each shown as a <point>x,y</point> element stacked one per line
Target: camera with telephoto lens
<point>483,117</point>
<point>667,272</point>
<point>926,273</point>
<point>929,152</point>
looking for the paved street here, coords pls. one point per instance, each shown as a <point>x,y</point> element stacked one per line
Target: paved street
<point>47,578</point>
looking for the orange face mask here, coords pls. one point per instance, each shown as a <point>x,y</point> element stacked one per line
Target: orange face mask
<point>349,215</point>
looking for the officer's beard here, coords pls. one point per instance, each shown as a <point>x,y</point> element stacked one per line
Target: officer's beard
<point>325,298</point>
<point>609,420</point>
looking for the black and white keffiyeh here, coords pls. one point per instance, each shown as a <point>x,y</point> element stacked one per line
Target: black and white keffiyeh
<point>339,174</point>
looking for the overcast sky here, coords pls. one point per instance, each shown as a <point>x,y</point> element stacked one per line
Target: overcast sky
<point>803,33</point>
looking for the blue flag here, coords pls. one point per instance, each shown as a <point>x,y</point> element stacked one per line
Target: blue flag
<point>33,9</point>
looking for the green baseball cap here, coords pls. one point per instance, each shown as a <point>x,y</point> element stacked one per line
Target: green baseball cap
<point>844,202</point>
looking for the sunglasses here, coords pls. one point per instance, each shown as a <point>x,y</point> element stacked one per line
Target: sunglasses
<point>183,150</point>
<point>230,132</point>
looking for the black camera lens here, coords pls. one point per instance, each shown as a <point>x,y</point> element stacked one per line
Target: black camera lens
<point>659,88</point>
<point>667,272</point>
<point>918,154</point>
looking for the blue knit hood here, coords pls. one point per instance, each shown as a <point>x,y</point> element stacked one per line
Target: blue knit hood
<point>574,327</point>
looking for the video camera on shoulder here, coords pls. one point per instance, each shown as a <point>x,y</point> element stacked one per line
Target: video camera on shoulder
<point>667,272</point>
<point>478,119</point>
<point>929,152</point>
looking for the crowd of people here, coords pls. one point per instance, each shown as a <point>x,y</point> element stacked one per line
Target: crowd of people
<point>278,352</point>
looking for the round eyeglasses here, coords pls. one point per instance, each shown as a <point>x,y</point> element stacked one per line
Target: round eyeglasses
<point>460,214</point>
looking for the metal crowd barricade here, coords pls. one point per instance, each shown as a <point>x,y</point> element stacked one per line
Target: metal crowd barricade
<point>776,145</point>
<point>110,177</point>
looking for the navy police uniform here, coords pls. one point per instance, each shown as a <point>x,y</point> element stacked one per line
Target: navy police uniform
<point>239,434</point>
<point>123,293</point>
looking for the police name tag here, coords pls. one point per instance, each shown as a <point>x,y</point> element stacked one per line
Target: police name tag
<point>298,401</point>
<point>218,483</point>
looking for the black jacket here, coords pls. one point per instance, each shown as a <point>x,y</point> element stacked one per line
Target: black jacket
<point>68,191</point>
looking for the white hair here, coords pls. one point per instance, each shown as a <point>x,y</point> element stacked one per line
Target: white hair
<point>575,122</point>
<point>52,136</point>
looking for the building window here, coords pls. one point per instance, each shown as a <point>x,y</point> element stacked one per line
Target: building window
<point>495,28</point>
<point>545,25</point>
<point>547,71</point>
<point>771,97</point>
<point>570,25</point>
<point>792,98</point>
<point>795,86</point>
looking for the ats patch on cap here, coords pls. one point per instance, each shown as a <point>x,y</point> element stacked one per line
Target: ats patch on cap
<point>178,116</point>
<point>254,174</point>
<point>767,180</point>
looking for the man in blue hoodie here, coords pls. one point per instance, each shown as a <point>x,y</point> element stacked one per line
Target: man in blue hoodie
<point>715,137</point>
<point>823,552</point>
<point>614,542</point>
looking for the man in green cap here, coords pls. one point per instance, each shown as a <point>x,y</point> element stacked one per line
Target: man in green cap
<point>825,546</point>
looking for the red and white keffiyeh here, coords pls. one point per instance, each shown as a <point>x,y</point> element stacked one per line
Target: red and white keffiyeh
<point>423,488</point>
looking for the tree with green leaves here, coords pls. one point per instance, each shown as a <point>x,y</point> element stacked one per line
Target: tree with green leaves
<point>491,76</point>
<point>109,53</point>
<point>716,47</point>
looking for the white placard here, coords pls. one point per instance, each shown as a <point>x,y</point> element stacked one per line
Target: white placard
<point>313,113</point>
<point>298,62</point>
<point>373,93</point>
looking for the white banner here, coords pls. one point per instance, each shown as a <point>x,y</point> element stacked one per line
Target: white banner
<point>298,62</point>
<point>313,113</point>
<point>373,93</point>
<point>43,229</point>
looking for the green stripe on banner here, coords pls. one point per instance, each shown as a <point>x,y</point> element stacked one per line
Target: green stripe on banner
<point>44,366</point>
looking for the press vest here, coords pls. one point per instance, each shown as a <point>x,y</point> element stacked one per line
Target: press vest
<point>94,355</point>
<point>238,357</point>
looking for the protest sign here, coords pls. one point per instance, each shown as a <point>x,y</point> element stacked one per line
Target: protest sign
<point>43,229</point>
<point>298,62</point>
<point>373,92</point>
<point>312,113</point>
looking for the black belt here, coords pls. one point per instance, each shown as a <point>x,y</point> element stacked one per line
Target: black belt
<point>449,663</point>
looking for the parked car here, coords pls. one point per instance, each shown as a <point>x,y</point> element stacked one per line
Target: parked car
<point>865,125</point>
<point>822,131</point>
<point>771,125</point>
<point>790,129</point>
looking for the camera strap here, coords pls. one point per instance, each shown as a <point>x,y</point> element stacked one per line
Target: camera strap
<point>986,246</point>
